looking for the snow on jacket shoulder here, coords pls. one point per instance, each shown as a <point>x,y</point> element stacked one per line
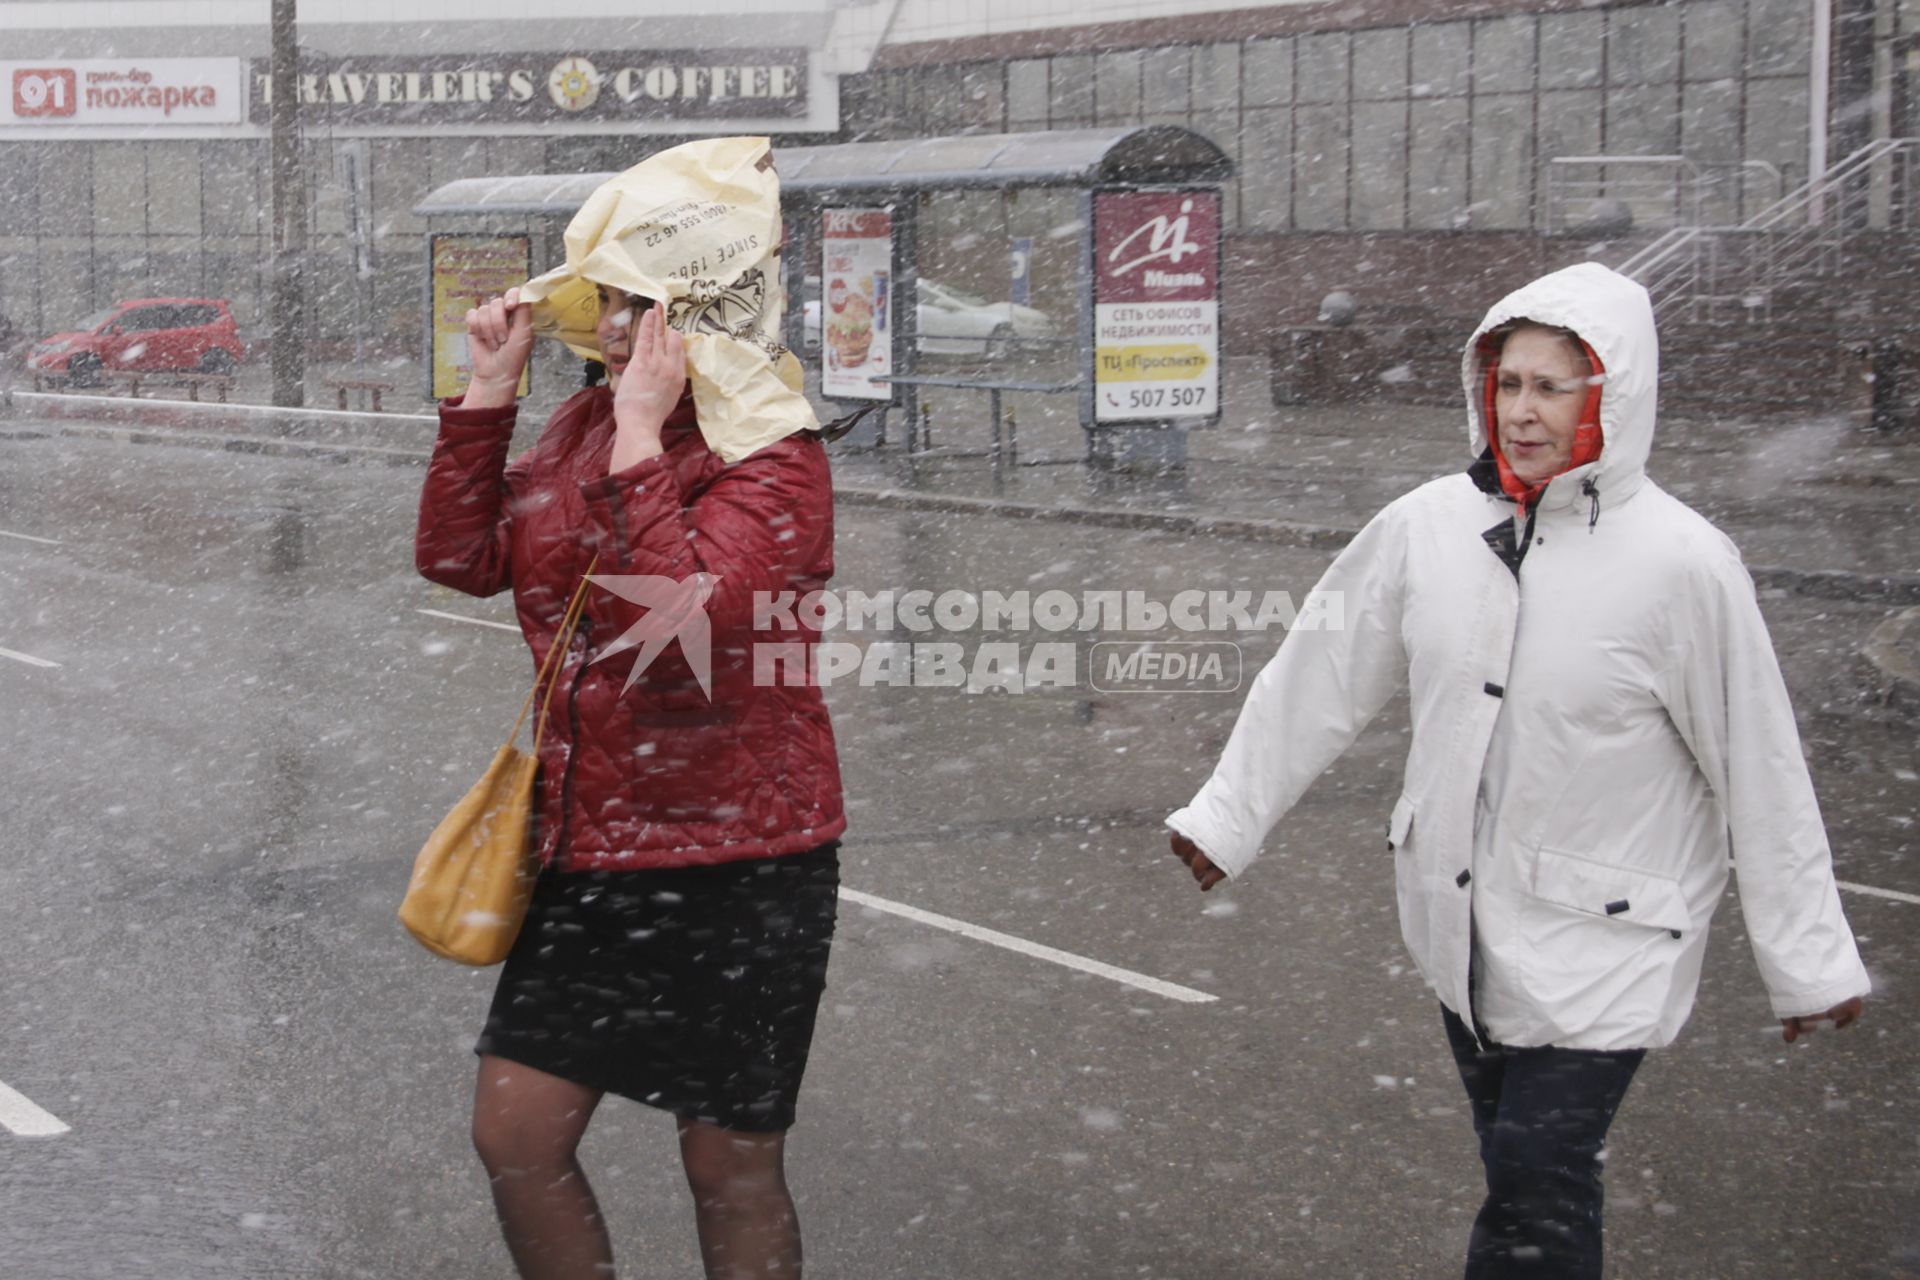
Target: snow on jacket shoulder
<point>1594,733</point>
<point>659,774</point>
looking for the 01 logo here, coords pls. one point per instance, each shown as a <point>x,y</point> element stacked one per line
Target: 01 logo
<point>43,91</point>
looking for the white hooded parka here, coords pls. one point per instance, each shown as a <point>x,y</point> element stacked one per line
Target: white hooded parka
<point>1595,731</point>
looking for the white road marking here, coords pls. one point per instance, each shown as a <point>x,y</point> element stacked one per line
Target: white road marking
<point>478,622</point>
<point>1894,894</point>
<point>27,537</point>
<point>27,658</point>
<point>993,937</point>
<point>21,1116</point>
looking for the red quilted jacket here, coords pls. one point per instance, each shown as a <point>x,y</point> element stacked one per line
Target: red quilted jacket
<point>657,776</point>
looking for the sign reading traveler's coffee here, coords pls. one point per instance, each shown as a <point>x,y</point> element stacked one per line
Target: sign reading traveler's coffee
<point>528,88</point>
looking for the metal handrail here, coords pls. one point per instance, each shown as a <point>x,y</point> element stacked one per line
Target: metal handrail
<point>1798,234</point>
<point>1815,189</point>
<point>1676,192</point>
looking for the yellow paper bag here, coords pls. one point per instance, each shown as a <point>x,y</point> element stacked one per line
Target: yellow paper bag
<point>697,229</point>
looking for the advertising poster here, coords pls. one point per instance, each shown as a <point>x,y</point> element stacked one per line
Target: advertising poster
<point>1156,294</point>
<point>467,270</point>
<point>856,321</point>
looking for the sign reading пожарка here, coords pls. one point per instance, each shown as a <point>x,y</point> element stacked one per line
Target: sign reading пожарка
<point>1156,312</point>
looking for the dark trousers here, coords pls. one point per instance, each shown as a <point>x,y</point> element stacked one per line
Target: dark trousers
<point>1542,1117</point>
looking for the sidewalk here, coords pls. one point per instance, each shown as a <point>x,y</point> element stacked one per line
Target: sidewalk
<point>1817,506</point>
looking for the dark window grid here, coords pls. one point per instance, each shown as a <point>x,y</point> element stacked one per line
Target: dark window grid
<point>1293,121</point>
<point>1535,215</point>
<point>1348,216</point>
<point>1406,143</point>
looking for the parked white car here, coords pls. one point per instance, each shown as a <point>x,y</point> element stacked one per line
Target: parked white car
<point>951,321</point>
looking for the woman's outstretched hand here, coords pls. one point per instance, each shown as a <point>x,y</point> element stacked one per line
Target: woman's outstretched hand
<point>1842,1016</point>
<point>651,385</point>
<point>499,343</point>
<point>1197,862</point>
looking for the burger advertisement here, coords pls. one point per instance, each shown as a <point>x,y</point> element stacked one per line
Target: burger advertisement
<point>856,335</point>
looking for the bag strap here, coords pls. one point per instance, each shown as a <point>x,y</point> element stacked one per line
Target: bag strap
<point>561,639</point>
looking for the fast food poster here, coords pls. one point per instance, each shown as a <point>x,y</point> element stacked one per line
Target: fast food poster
<point>1156,313</point>
<point>856,304</point>
<point>465,271</point>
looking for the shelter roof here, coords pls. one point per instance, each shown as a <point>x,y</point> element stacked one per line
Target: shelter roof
<point>1070,157</point>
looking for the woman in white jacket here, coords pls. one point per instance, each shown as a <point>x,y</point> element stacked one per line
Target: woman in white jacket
<point>1598,724</point>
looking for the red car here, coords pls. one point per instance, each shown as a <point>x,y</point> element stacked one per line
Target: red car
<point>144,334</point>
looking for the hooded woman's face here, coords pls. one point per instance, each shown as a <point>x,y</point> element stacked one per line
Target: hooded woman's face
<point>1539,393</point>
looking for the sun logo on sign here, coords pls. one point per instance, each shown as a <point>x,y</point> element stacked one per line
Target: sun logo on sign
<point>574,84</point>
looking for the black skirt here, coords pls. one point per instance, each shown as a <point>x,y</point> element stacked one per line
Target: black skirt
<point>693,989</point>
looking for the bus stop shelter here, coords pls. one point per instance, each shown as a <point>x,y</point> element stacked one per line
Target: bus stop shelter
<point>1090,258</point>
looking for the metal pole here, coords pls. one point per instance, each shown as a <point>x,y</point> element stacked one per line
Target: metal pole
<point>289,215</point>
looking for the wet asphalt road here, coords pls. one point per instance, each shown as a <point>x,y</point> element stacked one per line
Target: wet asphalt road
<point>211,803</point>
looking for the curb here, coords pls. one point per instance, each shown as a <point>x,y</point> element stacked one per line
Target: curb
<point>1822,584</point>
<point>1892,671</point>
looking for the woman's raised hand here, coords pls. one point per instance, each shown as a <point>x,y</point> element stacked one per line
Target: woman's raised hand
<point>651,385</point>
<point>499,343</point>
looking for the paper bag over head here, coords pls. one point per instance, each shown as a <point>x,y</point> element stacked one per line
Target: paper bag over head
<point>697,229</point>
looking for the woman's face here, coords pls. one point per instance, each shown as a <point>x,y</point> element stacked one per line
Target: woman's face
<point>1540,390</point>
<point>619,317</point>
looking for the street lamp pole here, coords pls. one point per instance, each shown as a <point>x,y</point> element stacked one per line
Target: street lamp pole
<point>289,216</point>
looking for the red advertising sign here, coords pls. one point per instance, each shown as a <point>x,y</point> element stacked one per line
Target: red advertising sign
<point>1156,295</point>
<point>1155,246</point>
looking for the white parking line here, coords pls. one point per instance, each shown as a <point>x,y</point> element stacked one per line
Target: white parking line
<point>27,658</point>
<point>993,937</point>
<point>478,622</point>
<point>1868,889</point>
<point>20,1115</point>
<point>27,537</point>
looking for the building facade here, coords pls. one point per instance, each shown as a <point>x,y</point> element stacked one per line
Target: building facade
<point>1421,154</point>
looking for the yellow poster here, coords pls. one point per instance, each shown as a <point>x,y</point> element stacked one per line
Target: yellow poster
<point>468,270</point>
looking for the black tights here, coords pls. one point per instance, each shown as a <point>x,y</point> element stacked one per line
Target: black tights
<point>527,1127</point>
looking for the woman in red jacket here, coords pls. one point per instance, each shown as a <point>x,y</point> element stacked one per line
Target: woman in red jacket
<point>677,944</point>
